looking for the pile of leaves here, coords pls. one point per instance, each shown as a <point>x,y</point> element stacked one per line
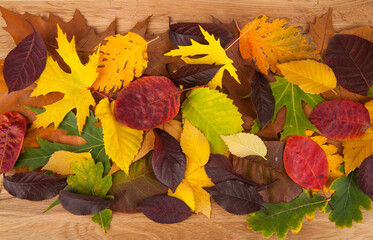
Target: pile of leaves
<point>266,120</point>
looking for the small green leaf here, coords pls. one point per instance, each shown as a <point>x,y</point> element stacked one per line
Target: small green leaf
<point>255,127</point>
<point>103,218</point>
<point>55,203</point>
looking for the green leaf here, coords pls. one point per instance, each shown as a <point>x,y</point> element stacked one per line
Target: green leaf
<point>255,127</point>
<point>88,178</point>
<point>281,216</point>
<point>103,218</point>
<point>55,203</point>
<point>214,114</point>
<point>291,96</point>
<point>347,201</point>
<point>38,157</point>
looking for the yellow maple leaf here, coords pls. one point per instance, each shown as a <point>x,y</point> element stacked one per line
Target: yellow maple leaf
<point>74,85</point>
<point>311,76</point>
<point>60,161</point>
<point>245,144</point>
<point>269,43</point>
<point>121,142</point>
<point>121,59</point>
<point>214,54</point>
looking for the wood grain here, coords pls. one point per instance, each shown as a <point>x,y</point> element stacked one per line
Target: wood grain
<point>22,219</point>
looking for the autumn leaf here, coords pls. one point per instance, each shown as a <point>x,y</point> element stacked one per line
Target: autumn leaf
<point>269,43</point>
<point>121,143</point>
<point>103,218</point>
<point>3,87</point>
<point>122,58</point>
<point>60,161</point>
<point>245,144</point>
<point>213,54</point>
<point>74,85</point>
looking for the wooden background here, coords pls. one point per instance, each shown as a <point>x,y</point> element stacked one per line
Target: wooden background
<point>22,219</point>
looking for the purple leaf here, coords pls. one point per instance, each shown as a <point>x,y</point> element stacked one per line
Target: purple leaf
<point>350,57</point>
<point>25,63</point>
<point>192,75</point>
<point>181,33</point>
<point>169,162</point>
<point>165,209</point>
<point>365,176</point>
<point>263,100</point>
<point>236,197</point>
<point>33,185</point>
<point>80,204</point>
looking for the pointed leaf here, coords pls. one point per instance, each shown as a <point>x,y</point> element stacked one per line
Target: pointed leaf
<point>60,161</point>
<point>33,185</point>
<point>245,144</point>
<point>365,177</point>
<point>103,218</point>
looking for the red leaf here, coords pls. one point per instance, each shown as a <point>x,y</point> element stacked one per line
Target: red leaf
<point>147,103</point>
<point>365,176</point>
<point>12,131</point>
<point>305,162</point>
<point>165,209</point>
<point>341,119</point>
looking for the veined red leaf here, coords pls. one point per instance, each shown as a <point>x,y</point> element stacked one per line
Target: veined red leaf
<point>341,119</point>
<point>365,176</point>
<point>12,131</point>
<point>305,162</point>
<point>350,57</point>
<point>147,103</point>
<point>165,209</point>
<point>25,63</point>
<point>33,185</point>
<point>169,162</point>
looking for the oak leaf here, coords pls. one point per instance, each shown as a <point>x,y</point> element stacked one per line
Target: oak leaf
<point>60,161</point>
<point>245,144</point>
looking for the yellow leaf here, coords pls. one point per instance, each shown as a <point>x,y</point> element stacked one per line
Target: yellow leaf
<point>194,144</point>
<point>121,143</point>
<point>121,59</point>
<point>3,87</point>
<point>60,161</point>
<point>185,193</point>
<point>215,54</point>
<point>369,106</point>
<point>269,43</point>
<point>245,144</point>
<point>311,76</point>
<point>74,85</point>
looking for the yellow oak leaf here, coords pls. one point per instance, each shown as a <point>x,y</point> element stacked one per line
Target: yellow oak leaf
<point>245,144</point>
<point>121,142</point>
<point>121,59</point>
<point>269,43</point>
<point>74,85</point>
<point>214,54</point>
<point>60,161</point>
<point>311,76</point>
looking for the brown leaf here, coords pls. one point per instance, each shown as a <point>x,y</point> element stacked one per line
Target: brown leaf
<point>141,27</point>
<point>365,32</point>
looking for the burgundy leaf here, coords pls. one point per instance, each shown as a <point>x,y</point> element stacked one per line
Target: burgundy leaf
<point>25,63</point>
<point>283,188</point>
<point>219,169</point>
<point>192,75</point>
<point>263,100</point>
<point>33,185</point>
<point>80,204</point>
<point>341,119</point>
<point>181,33</point>
<point>169,162</point>
<point>350,57</point>
<point>236,197</point>
<point>365,176</point>
<point>147,103</point>
<point>12,131</point>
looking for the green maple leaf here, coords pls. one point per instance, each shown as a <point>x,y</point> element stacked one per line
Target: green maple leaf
<point>38,157</point>
<point>103,218</point>
<point>291,96</point>
<point>281,216</point>
<point>347,201</point>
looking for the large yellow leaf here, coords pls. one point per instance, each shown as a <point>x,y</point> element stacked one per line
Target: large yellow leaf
<point>121,59</point>
<point>214,54</point>
<point>311,76</point>
<point>74,85</point>
<point>121,143</point>
<point>60,161</point>
<point>185,193</point>
<point>245,144</point>
<point>269,43</point>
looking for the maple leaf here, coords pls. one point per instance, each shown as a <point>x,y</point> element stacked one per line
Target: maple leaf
<point>121,143</point>
<point>245,144</point>
<point>121,59</point>
<point>74,85</point>
<point>213,54</point>
<point>60,161</point>
<point>269,43</point>
<point>291,96</point>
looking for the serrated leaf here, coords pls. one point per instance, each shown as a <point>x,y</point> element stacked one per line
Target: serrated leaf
<point>60,161</point>
<point>121,143</point>
<point>282,216</point>
<point>245,144</point>
<point>204,107</point>
<point>103,218</point>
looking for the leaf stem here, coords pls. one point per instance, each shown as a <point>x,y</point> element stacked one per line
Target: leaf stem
<point>91,89</point>
<point>241,35</point>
